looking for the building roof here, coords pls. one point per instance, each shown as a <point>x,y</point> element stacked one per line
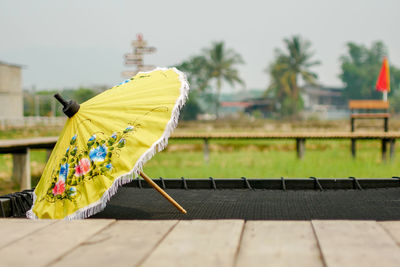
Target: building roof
<point>236,104</point>
<point>324,91</point>
<point>11,64</point>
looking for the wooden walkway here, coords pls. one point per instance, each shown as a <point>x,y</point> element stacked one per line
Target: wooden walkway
<point>199,243</point>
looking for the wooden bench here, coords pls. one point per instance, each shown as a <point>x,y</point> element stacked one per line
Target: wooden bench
<point>364,109</point>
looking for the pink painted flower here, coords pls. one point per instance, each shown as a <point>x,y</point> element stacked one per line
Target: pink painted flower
<point>83,167</point>
<point>59,188</point>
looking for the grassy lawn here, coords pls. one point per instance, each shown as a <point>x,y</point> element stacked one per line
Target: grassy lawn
<point>329,159</point>
<point>38,161</point>
<point>252,159</point>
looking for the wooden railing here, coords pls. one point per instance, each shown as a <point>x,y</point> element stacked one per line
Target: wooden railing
<point>20,148</point>
<point>6,123</point>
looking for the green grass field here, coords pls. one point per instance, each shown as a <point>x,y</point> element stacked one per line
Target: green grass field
<point>271,159</point>
<point>253,159</point>
<point>237,158</point>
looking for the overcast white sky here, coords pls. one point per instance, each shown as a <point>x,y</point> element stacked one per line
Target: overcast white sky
<point>81,42</point>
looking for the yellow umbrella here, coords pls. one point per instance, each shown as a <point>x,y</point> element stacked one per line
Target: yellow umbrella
<point>106,141</point>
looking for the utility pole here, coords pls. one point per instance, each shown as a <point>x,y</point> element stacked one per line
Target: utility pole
<point>136,57</point>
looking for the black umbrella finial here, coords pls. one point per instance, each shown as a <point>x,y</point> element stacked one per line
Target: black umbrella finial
<point>70,108</point>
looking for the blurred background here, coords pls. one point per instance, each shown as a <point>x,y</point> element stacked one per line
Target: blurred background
<point>253,66</point>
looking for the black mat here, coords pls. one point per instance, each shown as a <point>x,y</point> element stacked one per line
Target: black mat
<point>369,204</point>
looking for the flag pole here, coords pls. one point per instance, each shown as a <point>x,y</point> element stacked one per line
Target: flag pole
<point>385,94</point>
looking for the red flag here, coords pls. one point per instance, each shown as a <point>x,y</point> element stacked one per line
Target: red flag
<point>383,82</point>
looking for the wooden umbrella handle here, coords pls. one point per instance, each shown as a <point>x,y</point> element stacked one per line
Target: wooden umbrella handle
<point>162,192</point>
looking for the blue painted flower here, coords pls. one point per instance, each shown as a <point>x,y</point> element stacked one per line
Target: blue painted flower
<point>98,154</point>
<point>114,136</point>
<point>109,166</point>
<point>63,172</point>
<point>128,129</point>
<point>73,140</point>
<point>67,150</point>
<point>121,143</point>
<point>123,82</point>
<point>92,138</point>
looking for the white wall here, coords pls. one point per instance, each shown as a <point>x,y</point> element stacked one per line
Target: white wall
<point>11,99</point>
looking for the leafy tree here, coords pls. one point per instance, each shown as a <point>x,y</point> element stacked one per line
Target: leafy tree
<point>198,81</point>
<point>285,72</point>
<point>197,73</point>
<point>220,66</point>
<point>83,94</point>
<point>213,67</point>
<point>360,69</point>
<point>394,95</point>
<point>192,108</point>
<point>45,100</point>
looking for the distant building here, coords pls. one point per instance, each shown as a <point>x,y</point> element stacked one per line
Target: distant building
<point>11,98</point>
<point>324,102</point>
<point>248,101</point>
<point>319,102</point>
<point>265,106</point>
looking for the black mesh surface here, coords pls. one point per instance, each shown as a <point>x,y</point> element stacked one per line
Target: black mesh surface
<point>370,204</point>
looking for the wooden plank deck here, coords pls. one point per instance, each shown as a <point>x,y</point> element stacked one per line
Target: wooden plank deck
<point>199,243</point>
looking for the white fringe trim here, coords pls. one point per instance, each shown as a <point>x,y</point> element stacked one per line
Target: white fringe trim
<point>158,146</point>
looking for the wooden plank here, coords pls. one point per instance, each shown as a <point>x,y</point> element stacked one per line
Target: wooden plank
<point>393,228</point>
<point>356,243</point>
<point>14,229</point>
<point>206,151</point>
<point>22,169</point>
<point>300,147</point>
<point>392,146</point>
<point>278,243</point>
<point>48,244</point>
<point>368,104</point>
<point>384,149</point>
<point>386,124</point>
<point>198,243</point>
<point>11,145</point>
<point>370,115</point>
<point>125,243</point>
<point>353,147</point>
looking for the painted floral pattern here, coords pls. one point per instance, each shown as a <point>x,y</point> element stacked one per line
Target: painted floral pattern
<point>59,188</point>
<point>83,167</point>
<point>98,154</point>
<point>78,166</point>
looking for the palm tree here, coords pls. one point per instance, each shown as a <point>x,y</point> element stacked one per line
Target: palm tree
<point>285,72</point>
<point>220,66</point>
<point>196,71</point>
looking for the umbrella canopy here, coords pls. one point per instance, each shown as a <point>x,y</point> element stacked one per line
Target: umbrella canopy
<point>106,143</point>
